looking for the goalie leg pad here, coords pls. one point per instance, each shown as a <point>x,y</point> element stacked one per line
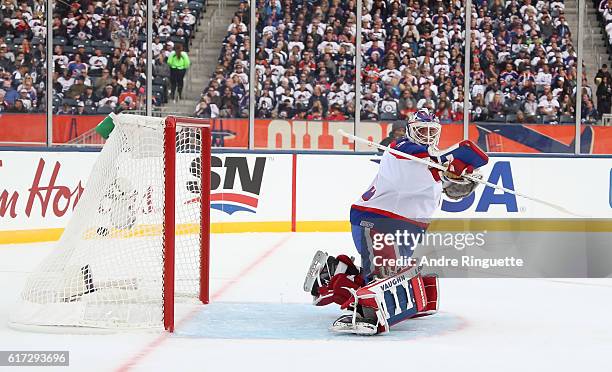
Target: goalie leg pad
<point>432,293</point>
<point>389,301</point>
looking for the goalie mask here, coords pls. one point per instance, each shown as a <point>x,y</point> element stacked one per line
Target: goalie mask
<point>424,128</point>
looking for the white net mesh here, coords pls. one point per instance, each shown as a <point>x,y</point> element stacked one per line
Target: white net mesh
<point>107,269</point>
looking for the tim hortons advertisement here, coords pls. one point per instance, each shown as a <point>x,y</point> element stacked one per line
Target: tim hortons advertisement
<point>40,190</point>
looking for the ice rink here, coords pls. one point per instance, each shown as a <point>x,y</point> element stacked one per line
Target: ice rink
<point>260,319</point>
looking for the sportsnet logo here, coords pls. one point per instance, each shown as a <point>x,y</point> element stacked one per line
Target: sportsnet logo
<point>232,202</point>
<point>226,194</point>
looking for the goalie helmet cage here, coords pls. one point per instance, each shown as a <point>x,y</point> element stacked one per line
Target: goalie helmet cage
<point>139,237</point>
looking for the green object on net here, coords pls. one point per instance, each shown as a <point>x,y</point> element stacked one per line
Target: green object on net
<point>106,126</point>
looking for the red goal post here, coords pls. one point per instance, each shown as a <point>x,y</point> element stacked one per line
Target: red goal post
<point>172,124</point>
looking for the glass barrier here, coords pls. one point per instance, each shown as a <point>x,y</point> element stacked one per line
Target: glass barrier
<point>305,62</point>
<point>596,97</point>
<point>522,80</point>
<point>302,135</point>
<point>100,67</point>
<point>385,132</point>
<point>23,100</point>
<point>218,82</point>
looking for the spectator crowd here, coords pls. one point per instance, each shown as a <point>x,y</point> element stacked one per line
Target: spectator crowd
<point>99,53</point>
<point>523,61</point>
<point>603,80</point>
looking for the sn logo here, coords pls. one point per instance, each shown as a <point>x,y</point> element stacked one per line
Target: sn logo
<point>501,172</point>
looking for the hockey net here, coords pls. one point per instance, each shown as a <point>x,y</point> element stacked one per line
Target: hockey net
<point>139,236</point>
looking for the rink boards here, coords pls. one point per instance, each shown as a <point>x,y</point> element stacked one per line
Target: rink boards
<point>275,192</point>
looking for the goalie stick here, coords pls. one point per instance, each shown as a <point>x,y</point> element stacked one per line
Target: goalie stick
<point>467,176</point>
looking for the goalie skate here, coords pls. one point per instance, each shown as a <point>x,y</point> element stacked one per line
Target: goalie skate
<point>358,326</point>
<point>312,276</point>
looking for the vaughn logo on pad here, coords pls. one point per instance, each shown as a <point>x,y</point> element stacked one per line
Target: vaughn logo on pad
<point>234,186</point>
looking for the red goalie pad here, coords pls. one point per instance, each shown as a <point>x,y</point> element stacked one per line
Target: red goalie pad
<point>393,299</point>
<point>430,283</point>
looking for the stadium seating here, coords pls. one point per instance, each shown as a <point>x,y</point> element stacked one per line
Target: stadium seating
<point>412,57</point>
<point>89,40</point>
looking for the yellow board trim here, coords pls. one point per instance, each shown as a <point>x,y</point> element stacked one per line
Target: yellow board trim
<point>525,225</point>
<point>30,236</point>
<point>322,226</point>
<point>458,225</point>
<point>241,227</point>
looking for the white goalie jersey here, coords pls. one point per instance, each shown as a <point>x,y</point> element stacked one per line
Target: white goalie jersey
<point>402,188</point>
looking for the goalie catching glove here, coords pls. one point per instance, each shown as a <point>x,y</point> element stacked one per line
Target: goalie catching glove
<point>464,158</point>
<point>454,185</point>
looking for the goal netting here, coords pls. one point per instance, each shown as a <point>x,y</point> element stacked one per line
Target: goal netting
<point>138,237</point>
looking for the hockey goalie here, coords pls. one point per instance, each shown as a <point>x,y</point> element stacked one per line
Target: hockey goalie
<point>386,222</point>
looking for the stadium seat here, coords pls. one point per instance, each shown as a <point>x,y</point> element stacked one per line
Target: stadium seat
<point>161,90</point>
<point>90,110</point>
<point>59,41</point>
<point>159,99</point>
<point>549,119</point>
<point>99,43</point>
<point>107,50</point>
<point>194,5</point>
<point>93,73</point>
<point>179,39</point>
<point>158,80</point>
<point>104,110</point>
<point>70,102</point>
<point>498,118</point>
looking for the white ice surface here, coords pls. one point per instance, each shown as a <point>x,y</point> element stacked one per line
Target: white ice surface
<point>260,321</point>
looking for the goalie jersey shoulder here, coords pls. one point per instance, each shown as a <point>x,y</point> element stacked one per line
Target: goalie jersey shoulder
<point>408,147</point>
<point>402,187</point>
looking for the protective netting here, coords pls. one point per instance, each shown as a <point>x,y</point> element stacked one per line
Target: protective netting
<point>107,269</point>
